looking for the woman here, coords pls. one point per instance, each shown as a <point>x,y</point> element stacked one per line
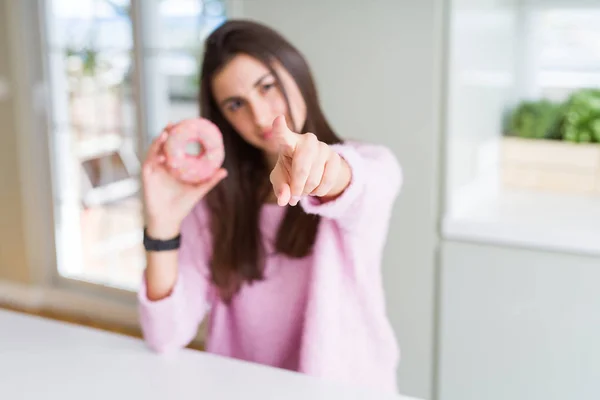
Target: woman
<point>284,244</point>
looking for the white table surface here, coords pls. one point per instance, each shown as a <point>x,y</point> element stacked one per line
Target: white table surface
<point>46,359</point>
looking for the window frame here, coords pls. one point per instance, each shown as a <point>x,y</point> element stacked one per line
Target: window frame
<point>34,112</point>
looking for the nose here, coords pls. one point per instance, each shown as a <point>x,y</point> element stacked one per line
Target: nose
<point>263,115</point>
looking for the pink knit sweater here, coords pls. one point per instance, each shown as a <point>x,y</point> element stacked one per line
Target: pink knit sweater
<point>323,315</point>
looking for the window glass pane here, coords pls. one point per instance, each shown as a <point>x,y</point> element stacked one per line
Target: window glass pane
<point>183,24</point>
<point>570,39</point>
<point>180,70</point>
<point>100,95</point>
<point>176,30</point>
<point>95,137</point>
<point>112,249</point>
<point>102,24</point>
<point>569,51</point>
<point>94,141</point>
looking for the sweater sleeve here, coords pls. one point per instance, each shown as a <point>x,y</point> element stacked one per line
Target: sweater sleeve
<point>368,200</point>
<point>172,322</point>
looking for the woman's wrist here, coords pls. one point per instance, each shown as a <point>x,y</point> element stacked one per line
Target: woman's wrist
<point>162,230</point>
<point>342,182</point>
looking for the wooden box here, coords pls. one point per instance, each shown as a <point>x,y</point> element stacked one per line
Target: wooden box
<point>550,165</point>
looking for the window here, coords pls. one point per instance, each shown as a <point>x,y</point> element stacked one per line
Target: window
<point>569,50</point>
<point>513,190</point>
<point>119,71</point>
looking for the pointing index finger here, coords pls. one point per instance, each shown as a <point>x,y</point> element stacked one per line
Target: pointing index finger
<point>288,140</point>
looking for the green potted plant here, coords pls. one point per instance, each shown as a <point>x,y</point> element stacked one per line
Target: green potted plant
<point>534,119</point>
<point>580,119</point>
<point>554,146</point>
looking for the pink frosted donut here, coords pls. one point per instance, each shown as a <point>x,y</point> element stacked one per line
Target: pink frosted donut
<point>194,150</point>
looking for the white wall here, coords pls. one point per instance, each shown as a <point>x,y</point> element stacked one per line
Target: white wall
<point>377,64</point>
<point>518,324</point>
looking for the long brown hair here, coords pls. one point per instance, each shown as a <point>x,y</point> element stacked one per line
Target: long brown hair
<point>235,204</point>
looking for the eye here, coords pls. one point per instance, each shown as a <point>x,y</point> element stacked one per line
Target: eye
<point>267,86</point>
<point>234,105</point>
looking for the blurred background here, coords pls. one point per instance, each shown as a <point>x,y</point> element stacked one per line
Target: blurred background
<point>492,266</point>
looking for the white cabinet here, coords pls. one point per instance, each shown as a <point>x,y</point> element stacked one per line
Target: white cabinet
<point>517,324</point>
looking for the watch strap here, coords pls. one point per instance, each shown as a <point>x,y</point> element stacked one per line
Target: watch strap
<point>152,244</point>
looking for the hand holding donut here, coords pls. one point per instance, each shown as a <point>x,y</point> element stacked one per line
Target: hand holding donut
<point>182,166</point>
<point>306,166</point>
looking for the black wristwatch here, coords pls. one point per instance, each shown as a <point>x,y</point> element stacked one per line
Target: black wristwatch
<point>151,244</point>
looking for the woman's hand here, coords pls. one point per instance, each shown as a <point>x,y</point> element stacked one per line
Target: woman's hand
<point>306,166</point>
<point>168,201</point>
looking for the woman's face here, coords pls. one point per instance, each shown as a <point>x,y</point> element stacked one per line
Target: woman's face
<point>250,99</point>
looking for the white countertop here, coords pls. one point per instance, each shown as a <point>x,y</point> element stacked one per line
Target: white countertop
<point>45,359</point>
<point>544,221</point>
